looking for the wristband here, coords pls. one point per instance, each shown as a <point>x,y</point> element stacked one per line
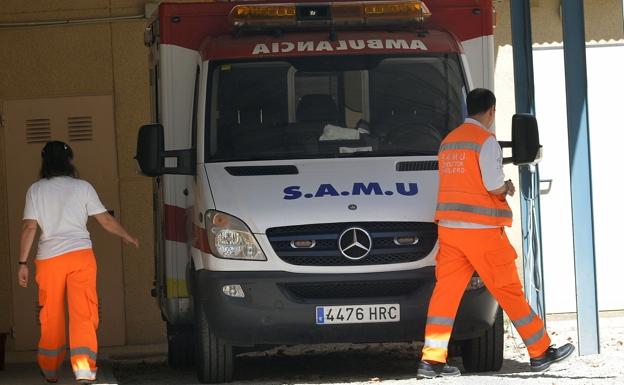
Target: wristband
<point>22,263</point>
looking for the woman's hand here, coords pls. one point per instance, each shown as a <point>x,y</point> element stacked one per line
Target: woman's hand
<point>29,229</point>
<point>22,276</point>
<point>110,224</point>
<point>130,240</point>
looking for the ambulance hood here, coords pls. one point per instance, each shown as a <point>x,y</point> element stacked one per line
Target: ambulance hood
<point>267,194</point>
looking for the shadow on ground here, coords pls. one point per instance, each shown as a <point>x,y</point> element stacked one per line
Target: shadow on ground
<point>278,367</point>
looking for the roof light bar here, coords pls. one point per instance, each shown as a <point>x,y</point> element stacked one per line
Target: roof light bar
<point>364,13</point>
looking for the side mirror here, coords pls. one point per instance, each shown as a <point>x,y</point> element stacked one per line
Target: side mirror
<point>152,157</point>
<point>525,146</point>
<point>150,149</point>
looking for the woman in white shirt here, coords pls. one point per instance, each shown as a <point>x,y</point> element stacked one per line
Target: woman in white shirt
<point>60,204</point>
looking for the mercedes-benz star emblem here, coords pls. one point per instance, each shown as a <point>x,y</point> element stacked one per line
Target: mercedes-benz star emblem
<point>355,243</point>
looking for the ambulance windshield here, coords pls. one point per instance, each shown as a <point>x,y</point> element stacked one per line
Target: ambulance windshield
<point>320,107</point>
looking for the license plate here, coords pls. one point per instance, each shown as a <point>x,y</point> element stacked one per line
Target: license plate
<point>357,314</point>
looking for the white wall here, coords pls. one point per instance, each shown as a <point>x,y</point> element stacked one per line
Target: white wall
<point>605,85</point>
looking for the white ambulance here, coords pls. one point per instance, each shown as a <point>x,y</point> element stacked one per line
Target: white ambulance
<point>294,150</point>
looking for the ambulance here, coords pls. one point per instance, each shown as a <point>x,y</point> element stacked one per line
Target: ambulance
<point>294,156</point>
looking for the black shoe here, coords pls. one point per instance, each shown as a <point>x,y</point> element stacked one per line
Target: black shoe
<point>427,370</point>
<point>551,356</point>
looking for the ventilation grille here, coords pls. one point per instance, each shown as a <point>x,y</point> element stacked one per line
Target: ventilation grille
<point>80,128</point>
<point>426,165</point>
<point>262,170</point>
<point>38,130</point>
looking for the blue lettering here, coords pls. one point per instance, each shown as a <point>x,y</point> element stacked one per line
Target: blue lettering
<point>371,188</point>
<point>413,189</point>
<point>326,189</point>
<point>367,189</point>
<point>292,192</point>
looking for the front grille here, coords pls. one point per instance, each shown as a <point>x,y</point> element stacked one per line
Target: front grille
<point>363,289</point>
<point>326,251</point>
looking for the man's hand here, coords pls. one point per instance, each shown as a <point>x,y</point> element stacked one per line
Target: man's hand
<point>511,189</point>
<point>507,188</point>
<point>22,276</point>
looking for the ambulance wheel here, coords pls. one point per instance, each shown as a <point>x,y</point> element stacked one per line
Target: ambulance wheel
<point>180,343</point>
<point>214,359</point>
<point>485,353</point>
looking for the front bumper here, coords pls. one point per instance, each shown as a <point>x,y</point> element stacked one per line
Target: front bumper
<point>279,307</point>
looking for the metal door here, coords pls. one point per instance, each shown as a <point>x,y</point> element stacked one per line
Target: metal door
<point>87,124</point>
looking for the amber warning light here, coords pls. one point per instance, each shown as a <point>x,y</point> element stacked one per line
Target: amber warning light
<point>367,13</point>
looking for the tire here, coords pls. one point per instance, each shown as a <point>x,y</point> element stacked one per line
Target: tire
<point>485,353</point>
<point>214,359</point>
<point>180,352</point>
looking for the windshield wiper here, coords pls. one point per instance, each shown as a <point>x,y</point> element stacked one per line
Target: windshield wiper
<point>299,155</point>
<point>284,156</point>
<point>371,154</point>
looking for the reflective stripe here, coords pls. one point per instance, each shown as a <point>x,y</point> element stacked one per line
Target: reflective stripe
<point>436,344</point>
<point>461,146</point>
<point>85,351</point>
<point>52,352</point>
<point>51,374</point>
<point>440,321</point>
<point>84,374</point>
<point>524,321</point>
<point>475,210</point>
<point>534,338</point>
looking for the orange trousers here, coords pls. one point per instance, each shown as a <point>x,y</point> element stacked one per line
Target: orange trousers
<point>488,251</point>
<point>72,276</point>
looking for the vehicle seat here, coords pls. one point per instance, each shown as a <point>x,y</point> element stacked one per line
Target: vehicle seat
<point>317,108</point>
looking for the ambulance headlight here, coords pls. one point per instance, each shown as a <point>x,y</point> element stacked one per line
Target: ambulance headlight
<point>230,238</point>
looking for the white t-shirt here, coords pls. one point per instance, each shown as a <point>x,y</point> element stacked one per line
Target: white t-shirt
<point>61,206</point>
<point>491,165</point>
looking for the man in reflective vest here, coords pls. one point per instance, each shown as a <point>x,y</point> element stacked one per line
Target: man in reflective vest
<point>472,212</point>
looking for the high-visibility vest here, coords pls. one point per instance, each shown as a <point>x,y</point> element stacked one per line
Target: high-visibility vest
<point>462,196</point>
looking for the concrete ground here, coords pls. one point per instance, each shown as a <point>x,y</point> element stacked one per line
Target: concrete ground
<point>385,364</point>
<point>21,369</point>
